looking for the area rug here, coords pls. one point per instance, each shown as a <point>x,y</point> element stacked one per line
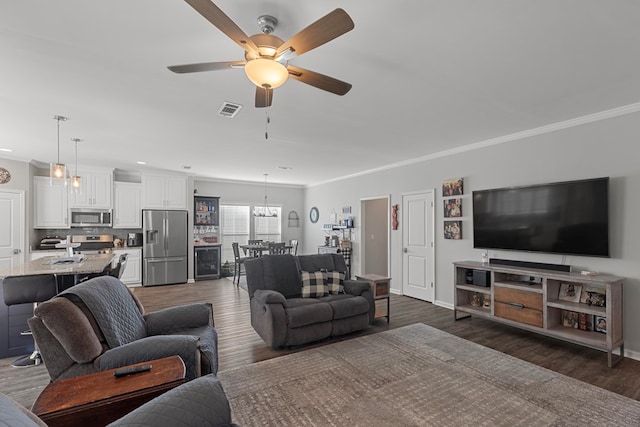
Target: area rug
<point>415,376</point>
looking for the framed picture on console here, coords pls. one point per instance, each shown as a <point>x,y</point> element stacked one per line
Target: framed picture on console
<point>570,292</point>
<point>600,324</point>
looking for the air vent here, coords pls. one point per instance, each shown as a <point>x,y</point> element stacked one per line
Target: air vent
<point>229,109</point>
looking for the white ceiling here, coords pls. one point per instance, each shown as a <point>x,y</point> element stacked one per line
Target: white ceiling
<point>427,75</point>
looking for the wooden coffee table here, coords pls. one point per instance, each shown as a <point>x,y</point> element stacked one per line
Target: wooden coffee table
<point>100,398</point>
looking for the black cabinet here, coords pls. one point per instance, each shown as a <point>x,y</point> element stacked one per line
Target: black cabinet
<point>206,211</point>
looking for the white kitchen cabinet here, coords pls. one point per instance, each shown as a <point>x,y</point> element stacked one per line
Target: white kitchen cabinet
<point>164,191</point>
<point>127,205</point>
<point>95,191</point>
<point>51,203</point>
<point>132,274</point>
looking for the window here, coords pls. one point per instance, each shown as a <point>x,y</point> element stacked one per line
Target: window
<point>234,227</point>
<point>268,227</point>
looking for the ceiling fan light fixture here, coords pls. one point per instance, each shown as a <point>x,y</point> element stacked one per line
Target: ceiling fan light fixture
<point>265,72</point>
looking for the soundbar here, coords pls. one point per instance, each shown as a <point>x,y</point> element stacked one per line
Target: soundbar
<point>530,264</point>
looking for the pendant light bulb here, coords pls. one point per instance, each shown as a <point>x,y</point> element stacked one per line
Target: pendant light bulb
<point>76,180</point>
<point>58,170</point>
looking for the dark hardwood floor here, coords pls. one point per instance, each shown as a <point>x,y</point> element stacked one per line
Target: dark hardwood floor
<point>240,345</point>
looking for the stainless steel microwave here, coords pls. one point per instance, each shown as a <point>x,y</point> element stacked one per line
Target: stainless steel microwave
<point>90,217</point>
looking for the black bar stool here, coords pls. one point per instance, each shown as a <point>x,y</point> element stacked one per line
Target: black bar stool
<point>29,289</point>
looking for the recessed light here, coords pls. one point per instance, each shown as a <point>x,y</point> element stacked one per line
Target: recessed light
<point>141,163</point>
<point>187,167</point>
<point>285,168</point>
<point>6,150</point>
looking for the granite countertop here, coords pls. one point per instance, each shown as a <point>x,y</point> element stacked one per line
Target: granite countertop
<point>45,265</point>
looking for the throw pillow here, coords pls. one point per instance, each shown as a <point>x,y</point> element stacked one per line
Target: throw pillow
<point>335,281</point>
<point>313,285</point>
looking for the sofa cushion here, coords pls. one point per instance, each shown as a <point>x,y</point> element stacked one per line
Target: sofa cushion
<point>347,306</point>
<point>71,328</point>
<point>334,281</point>
<point>281,274</point>
<point>306,311</point>
<point>316,262</point>
<point>313,284</point>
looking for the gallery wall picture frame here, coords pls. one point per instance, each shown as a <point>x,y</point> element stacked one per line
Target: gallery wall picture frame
<point>453,208</point>
<point>453,230</point>
<point>453,187</point>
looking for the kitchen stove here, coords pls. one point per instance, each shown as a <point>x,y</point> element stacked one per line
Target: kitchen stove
<point>93,243</point>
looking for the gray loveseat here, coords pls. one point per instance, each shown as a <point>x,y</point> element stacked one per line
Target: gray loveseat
<point>282,316</point>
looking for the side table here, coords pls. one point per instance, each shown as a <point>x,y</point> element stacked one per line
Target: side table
<point>381,288</point>
<point>100,398</point>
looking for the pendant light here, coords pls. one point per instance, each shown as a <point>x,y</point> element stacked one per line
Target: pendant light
<point>75,179</point>
<point>58,170</point>
<point>265,211</point>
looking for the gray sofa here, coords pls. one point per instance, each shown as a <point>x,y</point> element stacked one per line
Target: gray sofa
<point>283,317</point>
<point>99,325</point>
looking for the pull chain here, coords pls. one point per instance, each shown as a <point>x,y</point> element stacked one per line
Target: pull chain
<point>266,125</point>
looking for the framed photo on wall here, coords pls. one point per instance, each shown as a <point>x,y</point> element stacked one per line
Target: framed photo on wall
<point>453,230</point>
<point>453,208</point>
<point>453,187</point>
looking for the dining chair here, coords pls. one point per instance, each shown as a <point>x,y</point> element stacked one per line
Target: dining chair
<point>119,268</point>
<point>29,289</point>
<point>294,247</point>
<point>238,262</point>
<point>277,248</point>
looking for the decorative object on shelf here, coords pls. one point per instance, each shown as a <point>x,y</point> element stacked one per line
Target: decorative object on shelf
<point>600,324</point>
<point>593,296</point>
<point>294,220</point>
<point>58,170</point>
<point>453,230</point>
<point>570,319</point>
<point>265,211</point>
<point>453,208</point>
<point>314,215</point>
<point>475,300</point>
<point>570,292</point>
<point>453,187</point>
<point>394,217</point>
<point>487,301</point>
<point>75,179</point>
<point>5,176</point>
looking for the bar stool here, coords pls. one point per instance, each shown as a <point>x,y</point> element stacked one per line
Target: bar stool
<point>29,289</point>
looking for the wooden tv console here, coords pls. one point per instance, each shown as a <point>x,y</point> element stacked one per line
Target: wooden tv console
<point>528,298</point>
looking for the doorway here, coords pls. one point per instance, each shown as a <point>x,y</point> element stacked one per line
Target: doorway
<point>418,245</point>
<point>11,228</point>
<point>375,236</point>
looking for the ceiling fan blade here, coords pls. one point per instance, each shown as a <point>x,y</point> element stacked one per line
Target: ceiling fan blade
<point>319,80</point>
<point>320,32</point>
<point>217,17</point>
<point>264,97</point>
<point>205,66</point>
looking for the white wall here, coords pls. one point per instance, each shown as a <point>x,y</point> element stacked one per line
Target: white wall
<point>607,147</point>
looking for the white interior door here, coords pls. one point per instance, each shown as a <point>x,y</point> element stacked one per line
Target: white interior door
<point>11,228</point>
<point>418,246</point>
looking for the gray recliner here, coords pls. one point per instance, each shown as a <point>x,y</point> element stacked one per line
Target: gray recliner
<point>201,402</point>
<point>283,317</point>
<point>99,325</point>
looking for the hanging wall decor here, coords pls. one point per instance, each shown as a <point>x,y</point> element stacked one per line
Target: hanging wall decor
<point>394,217</point>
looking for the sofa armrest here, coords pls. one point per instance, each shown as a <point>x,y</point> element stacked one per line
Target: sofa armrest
<point>269,297</point>
<point>178,318</point>
<point>151,348</point>
<point>356,287</point>
<point>200,402</point>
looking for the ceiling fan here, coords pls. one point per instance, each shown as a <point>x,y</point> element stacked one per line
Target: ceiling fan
<point>267,56</point>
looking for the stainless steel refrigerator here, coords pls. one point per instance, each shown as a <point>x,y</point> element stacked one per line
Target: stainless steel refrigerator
<point>164,248</point>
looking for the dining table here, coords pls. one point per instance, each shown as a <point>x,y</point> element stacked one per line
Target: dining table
<point>256,249</point>
<point>76,265</point>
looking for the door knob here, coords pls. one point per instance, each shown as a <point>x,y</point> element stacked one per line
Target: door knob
<point>405,250</point>
<point>16,251</point>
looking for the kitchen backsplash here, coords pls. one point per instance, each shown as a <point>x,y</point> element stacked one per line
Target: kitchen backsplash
<point>118,233</point>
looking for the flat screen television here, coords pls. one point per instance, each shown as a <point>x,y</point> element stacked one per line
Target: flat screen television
<point>570,218</point>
